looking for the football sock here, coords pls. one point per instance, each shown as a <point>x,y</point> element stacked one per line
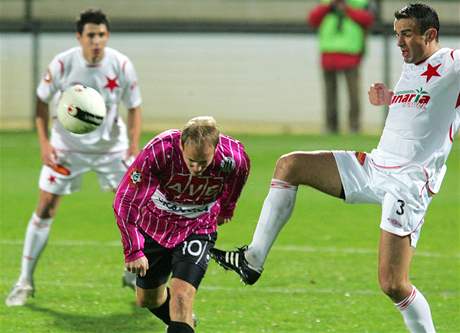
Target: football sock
<point>162,311</point>
<point>35,241</point>
<point>179,327</point>
<point>277,209</point>
<point>416,313</point>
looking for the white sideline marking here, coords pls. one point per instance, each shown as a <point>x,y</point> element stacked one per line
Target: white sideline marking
<point>245,289</point>
<point>286,248</point>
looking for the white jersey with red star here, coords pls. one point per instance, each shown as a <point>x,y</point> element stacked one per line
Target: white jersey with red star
<point>421,122</point>
<point>114,77</point>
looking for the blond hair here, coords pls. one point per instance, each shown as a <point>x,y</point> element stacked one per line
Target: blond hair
<point>199,130</point>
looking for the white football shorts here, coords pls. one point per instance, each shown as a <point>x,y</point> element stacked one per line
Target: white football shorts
<point>67,176</point>
<point>402,191</point>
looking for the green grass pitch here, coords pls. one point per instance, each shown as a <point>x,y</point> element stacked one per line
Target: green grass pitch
<point>321,275</point>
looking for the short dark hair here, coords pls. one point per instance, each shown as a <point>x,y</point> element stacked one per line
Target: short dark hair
<point>424,16</point>
<point>91,15</point>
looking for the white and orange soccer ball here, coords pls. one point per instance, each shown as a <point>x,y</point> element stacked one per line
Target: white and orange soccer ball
<point>81,109</point>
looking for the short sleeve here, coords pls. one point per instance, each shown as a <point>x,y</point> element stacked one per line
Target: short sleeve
<point>50,81</point>
<point>131,94</point>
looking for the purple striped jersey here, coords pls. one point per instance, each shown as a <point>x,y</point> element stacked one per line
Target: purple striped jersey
<point>160,196</point>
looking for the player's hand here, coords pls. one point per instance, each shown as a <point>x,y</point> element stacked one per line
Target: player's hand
<point>138,266</point>
<point>48,154</point>
<point>132,152</point>
<point>222,220</point>
<point>339,4</point>
<point>379,94</point>
<point>130,156</point>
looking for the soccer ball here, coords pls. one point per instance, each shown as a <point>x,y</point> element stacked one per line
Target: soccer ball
<point>81,109</point>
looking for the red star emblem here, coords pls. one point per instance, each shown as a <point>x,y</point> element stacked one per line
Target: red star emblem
<point>52,179</point>
<point>111,83</point>
<point>430,72</point>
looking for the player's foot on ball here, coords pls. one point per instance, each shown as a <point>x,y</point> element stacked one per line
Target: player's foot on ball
<point>19,294</point>
<point>235,261</point>
<point>128,280</point>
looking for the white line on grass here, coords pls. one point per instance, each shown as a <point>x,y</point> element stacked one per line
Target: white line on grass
<point>245,289</point>
<point>286,248</point>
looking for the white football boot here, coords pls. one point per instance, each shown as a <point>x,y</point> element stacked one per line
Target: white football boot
<point>128,280</point>
<point>19,294</point>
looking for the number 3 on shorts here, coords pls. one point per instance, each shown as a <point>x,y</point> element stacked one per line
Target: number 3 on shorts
<point>400,210</point>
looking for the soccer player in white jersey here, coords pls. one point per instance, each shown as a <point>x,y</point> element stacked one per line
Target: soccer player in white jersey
<point>66,157</point>
<point>402,174</point>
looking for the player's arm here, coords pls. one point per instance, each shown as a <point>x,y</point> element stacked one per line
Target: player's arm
<point>363,17</point>
<point>379,94</point>
<point>127,204</point>
<point>134,131</point>
<point>49,85</point>
<point>234,187</point>
<point>132,100</point>
<point>48,153</point>
<point>316,16</point>
<point>135,189</point>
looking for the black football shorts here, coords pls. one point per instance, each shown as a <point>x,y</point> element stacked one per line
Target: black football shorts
<point>188,261</point>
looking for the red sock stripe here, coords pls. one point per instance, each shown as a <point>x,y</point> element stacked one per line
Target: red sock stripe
<point>276,183</point>
<point>41,225</point>
<point>408,300</point>
<point>38,222</point>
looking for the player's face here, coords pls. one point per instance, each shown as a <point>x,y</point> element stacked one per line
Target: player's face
<point>414,46</point>
<point>197,158</point>
<point>93,39</point>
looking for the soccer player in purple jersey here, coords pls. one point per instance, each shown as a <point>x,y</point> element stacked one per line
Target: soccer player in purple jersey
<point>168,205</point>
<point>402,174</point>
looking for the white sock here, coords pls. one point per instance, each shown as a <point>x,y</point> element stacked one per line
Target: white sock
<point>416,313</point>
<point>34,243</point>
<point>277,209</point>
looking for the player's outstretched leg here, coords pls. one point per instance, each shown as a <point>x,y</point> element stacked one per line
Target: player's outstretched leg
<point>315,169</point>
<point>235,261</point>
<point>248,261</point>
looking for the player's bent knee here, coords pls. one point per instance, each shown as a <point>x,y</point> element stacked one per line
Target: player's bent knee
<point>182,295</point>
<point>285,166</point>
<point>149,303</point>
<point>182,299</point>
<point>144,300</point>
<point>46,212</point>
<point>395,289</point>
<point>47,205</point>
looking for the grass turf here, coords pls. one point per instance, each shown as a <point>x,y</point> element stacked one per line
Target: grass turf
<point>320,276</point>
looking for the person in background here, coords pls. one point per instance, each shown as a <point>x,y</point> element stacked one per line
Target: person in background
<point>342,27</point>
